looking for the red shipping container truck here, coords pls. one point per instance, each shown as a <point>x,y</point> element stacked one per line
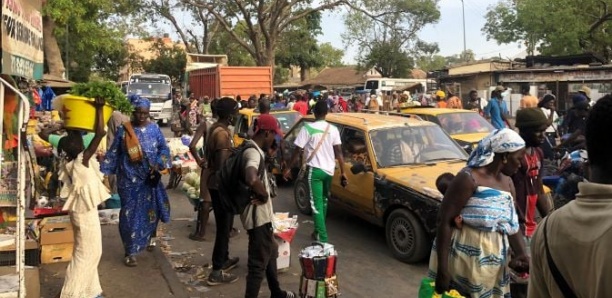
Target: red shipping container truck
<point>220,81</point>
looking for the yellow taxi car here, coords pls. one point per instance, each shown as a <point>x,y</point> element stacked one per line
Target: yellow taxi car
<point>247,117</point>
<point>464,126</point>
<point>244,125</point>
<point>394,162</point>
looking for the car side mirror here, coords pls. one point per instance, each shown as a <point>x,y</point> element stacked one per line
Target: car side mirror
<point>242,135</point>
<point>358,168</point>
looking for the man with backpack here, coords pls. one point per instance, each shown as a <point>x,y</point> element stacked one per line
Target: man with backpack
<point>245,181</point>
<point>218,148</point>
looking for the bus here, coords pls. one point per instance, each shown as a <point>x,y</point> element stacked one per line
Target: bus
<point>158,89</point>
<point>393,84</point>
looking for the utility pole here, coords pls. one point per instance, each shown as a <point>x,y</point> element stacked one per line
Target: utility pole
<point>463,12</point>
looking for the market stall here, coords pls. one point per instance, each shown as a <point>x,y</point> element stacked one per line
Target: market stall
<point>14,158</point>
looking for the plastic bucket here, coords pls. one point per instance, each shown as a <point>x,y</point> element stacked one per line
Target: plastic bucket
<point>79,113</point>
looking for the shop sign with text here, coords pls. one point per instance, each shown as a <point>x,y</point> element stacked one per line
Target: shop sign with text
<point>22,38</point>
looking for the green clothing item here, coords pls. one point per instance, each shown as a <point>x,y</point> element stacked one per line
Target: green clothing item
<point>87,138</point>
<point>205,109</point>
<point>319,184</point>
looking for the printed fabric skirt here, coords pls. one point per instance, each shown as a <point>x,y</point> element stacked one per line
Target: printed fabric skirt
<point>478,263</point>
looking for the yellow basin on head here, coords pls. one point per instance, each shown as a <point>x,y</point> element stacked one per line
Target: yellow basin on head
<point>79,112</point>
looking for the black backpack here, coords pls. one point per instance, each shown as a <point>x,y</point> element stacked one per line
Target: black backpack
<point>236,195</point>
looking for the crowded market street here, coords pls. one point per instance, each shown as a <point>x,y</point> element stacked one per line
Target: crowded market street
<point>367,266</point>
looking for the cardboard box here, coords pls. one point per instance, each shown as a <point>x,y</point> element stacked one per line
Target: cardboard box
<point>284,254</point>
<point>56,253</point>
<point>56,230</point>
<point>32,279</point>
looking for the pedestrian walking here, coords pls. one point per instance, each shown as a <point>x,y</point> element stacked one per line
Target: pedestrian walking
<point>257,218</point>
<point>137,156</point>
<point>320,142</point>
<point>84,190</point>
<point>497,110</point>
<point>570,248</point>
<point>217,149</point>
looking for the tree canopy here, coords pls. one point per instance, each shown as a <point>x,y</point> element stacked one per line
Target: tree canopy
<point>553,27</point>
<point>85,36</point>
<point>386,30</point>
<point>169,60</point>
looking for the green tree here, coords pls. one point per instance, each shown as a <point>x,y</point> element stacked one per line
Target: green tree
<point>388,59</point>
<point>553,27</point>
<point>330,56</point>
<point>386,30</point>
<point>170,61</point>
<point>267,21</point>
<point>428,58</point>
<point>430,63</point>
<point>85,36</point>
<point>299,46</point>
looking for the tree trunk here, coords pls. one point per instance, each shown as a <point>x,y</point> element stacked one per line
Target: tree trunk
<point>304,72</point>
<point>53,55</point>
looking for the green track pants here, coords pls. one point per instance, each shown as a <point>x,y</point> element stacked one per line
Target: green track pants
<point>319,184</point>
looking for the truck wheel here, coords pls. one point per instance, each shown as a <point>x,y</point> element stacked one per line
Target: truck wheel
<point>301,193</point>
<point>406,237</point>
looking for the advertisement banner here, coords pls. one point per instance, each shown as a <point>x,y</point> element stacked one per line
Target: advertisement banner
<point>22,38</point>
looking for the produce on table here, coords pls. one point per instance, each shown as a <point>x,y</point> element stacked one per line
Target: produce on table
<point>191,187</point>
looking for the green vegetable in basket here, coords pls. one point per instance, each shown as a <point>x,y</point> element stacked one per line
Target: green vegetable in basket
<point>104,89</point>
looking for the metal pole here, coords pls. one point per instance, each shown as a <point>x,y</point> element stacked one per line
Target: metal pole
<point>463,12</point>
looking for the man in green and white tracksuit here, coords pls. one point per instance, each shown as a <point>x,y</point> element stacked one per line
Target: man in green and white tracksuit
<point>320,142</point>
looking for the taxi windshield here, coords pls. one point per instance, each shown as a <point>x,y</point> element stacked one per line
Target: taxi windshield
<point>407,145</point>
<point>286,120</point>
<point>462,123</point>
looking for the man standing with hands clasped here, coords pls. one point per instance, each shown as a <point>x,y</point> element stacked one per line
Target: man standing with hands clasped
<point>321,144</point>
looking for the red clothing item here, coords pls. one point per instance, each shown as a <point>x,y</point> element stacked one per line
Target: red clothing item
<point>302,107</point>
<point>527,186</point>
<point>343,104</point>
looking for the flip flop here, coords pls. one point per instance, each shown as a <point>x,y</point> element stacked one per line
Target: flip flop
<point>195,237</point>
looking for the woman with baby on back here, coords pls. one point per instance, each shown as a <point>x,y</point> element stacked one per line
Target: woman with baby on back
<point>84,189</point>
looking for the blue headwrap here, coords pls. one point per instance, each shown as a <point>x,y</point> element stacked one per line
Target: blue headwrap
<point>499,141</point>
<point>139,102</point>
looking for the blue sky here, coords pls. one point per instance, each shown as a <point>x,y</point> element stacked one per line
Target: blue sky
<point>448,32</point>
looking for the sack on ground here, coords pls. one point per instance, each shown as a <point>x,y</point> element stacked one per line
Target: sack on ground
<point>235,193</point>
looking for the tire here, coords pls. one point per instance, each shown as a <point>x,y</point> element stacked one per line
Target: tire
<point>406,237</point>
<point>301,194</point>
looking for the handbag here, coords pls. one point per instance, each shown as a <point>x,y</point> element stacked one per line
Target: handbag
<point>304,167</point>
<point>132,144</point>
<point>565,288</point>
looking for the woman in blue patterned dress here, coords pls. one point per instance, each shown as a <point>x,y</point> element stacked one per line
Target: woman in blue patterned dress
<point>144,201</point>
<point>478,222</point>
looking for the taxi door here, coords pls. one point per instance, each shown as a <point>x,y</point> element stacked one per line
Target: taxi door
<point>359,193</point>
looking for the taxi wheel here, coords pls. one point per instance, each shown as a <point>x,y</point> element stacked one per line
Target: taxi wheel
<point>301,193</point>
<point>406,237</point>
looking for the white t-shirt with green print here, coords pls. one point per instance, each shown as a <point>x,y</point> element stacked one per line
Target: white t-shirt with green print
<point>308,138</point>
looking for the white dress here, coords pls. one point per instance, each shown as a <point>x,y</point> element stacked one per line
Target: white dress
<point>84,190</point>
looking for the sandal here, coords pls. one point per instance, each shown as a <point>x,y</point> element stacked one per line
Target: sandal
<point>195,237</point>
<point>130,261</point>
